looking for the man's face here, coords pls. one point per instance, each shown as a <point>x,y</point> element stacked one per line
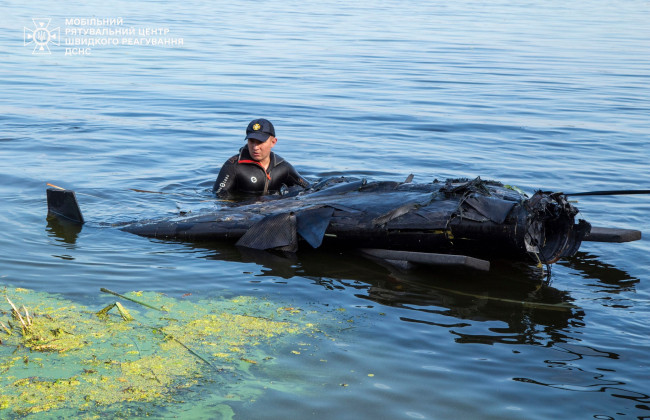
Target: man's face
<point>260,151</point>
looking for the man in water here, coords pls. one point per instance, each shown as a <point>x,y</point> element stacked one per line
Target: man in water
<point>256,170</point>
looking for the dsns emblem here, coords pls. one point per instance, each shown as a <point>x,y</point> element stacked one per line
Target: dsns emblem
<point>253,179</point>
<point>256,127</point>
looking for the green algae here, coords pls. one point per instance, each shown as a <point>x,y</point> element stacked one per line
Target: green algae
<point>73,358</point>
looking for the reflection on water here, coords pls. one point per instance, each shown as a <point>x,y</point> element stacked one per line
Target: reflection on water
<point>64,231</point>
<point>590,267</point>
<point>514,293</point>
<point>511,293</point>
<point>511,305</point>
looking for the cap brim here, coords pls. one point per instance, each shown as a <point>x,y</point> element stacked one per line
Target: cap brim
<point>259,136</point>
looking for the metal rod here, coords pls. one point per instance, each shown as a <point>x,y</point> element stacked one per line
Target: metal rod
<point>609,192</point>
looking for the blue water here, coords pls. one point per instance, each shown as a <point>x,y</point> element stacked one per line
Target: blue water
<point>550,95</point>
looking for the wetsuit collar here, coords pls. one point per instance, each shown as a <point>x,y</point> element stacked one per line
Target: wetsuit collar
<point>245,157</point>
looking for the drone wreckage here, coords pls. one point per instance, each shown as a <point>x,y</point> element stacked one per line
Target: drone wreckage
<point>458,222</point>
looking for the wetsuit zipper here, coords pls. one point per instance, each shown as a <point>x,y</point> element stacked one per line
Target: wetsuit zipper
<point>267,178</point>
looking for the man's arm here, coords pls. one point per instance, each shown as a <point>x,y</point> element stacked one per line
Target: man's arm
<point>225,182</point>
<point>294,178</point>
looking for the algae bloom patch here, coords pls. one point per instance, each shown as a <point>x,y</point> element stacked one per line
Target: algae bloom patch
<point>58,355</point>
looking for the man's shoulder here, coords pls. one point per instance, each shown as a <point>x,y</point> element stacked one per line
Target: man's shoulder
<point>233,159</point>
<point>278,160</point>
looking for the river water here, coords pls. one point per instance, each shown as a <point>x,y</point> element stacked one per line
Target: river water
<point>550,95</point>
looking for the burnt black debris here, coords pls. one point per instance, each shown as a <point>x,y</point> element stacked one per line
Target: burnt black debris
<point>471,217</point>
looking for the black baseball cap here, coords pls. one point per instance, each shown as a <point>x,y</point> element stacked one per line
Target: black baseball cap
<point>260,129</point>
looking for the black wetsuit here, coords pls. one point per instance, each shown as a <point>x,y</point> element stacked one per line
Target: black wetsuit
<point>243,175</point>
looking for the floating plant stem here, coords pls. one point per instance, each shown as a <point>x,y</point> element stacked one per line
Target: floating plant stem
<point>123,312</point>
<point>27,317</point>
<point>121,309</point>
<point>104,311</point>
<point>103,289</point>
<point>17,313</point>
<point>192,352</point>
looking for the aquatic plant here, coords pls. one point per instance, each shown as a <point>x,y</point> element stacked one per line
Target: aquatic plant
<point>58,355</point>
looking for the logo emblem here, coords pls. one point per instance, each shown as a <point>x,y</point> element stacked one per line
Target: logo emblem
<point>253,179</point>
<point>256,126</point>
<point>41,36</point>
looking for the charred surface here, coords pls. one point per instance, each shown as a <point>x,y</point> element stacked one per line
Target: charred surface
<point>474,217</point>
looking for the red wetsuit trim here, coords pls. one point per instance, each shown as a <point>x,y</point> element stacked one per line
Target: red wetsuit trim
<point>268,175</point>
